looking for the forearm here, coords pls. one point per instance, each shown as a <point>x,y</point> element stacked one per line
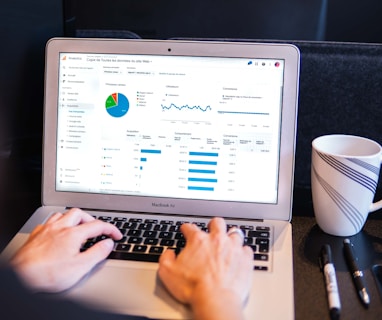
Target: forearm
<point>221,306</point>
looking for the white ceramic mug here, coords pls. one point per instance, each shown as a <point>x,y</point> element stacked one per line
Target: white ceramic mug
<point>344,177</point>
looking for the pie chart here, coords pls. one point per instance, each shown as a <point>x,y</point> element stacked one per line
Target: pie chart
<point>117,105</point>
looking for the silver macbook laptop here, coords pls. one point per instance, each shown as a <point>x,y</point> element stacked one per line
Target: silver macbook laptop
<point>149,134</point>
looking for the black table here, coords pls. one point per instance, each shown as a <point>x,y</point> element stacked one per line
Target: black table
<point>310,294</point>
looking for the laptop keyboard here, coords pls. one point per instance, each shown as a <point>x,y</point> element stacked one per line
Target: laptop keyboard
<point>147,239</point>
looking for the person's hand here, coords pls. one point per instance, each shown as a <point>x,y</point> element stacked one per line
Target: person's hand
<point>213,273</point>
<point>51,260</point>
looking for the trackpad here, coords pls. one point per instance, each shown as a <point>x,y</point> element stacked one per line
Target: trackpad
<point>128,288</point>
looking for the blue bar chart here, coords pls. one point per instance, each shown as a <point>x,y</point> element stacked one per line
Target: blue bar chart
<point>200,178</point>
<point>144,153</point>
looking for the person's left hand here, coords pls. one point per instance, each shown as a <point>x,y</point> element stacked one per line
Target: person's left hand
<point>51,260</point>
<point>212,274</point>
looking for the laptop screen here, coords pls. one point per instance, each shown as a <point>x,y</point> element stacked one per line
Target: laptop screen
<point>169,126</point>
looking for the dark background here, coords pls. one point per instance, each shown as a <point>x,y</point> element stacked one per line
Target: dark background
<point>26,25</point>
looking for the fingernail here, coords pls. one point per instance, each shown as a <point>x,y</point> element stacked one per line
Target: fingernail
<point>108,243</point>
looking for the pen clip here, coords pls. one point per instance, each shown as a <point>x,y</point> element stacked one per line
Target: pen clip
<point>350,247</point>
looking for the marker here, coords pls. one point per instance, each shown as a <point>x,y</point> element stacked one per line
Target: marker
<point>356,273</point>
<point>330,282</point>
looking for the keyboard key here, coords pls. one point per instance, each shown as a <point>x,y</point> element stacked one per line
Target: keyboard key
<point>263,228</point>
<point>151,241</point>
<point>247,241</point>
<point>104,218</point>
<point>118,224</point>
<point>258,234</point>
<point>123,231</point>
<point>262,241</point>
<point>179,236</point>
<point>264,248</point>
<point>181,243</point>
<point>130,225</point>
<point>135,240</point>
<point>134,233</point>
<point>167,242</point>
<point>161,227</point>
<point>150,234</point>
<point>152,221</point>
<point>123,247</point>
<point>166,235</point>
<point>145,226</point>
<point>122,240</point>
<point>260,268</point>
<point>246,228</point>
<point>174,228</point>
<point>168,222</point>
<point>121,219</point>
<point>135,256</point>
<point>261,257</point>
<point>139,248</point>
<point>156,250</point>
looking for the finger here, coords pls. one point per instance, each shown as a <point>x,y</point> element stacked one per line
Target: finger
<point>167,258</point>
<point>188,229</point>
<point>169,275</point>
<point>248,252</point>
<point>36,230</point>
<point>236,235</point>
<point>95,254</point>
<point>54,217</point>
<point>96,228</point>
<point>76,216</point>
<point>166,262</point>
<point>217,226</point>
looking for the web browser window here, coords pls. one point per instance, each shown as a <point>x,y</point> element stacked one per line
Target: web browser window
<point>185,127</point>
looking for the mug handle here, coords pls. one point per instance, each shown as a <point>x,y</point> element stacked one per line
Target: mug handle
<point>376,205</point>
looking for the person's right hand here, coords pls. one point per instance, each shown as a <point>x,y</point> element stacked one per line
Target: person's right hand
<point>213,273</point>
<point>51,260</point>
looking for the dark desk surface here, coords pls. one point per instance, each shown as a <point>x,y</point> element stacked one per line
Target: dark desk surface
<point>310,295</point>
<point>21,195</point>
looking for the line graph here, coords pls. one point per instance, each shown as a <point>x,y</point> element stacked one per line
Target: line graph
<point>186,107</point>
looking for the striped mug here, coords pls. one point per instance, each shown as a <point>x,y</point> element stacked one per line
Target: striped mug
<point>344,178</point>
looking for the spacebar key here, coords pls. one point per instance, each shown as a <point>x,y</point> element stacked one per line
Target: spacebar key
<point>118,255</point>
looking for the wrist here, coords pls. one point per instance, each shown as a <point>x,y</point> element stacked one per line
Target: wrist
<point>216,304</point>
<point>28,273</point>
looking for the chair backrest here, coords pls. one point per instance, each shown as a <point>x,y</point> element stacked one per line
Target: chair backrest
<point>340,92</point>
<point>270,19</point>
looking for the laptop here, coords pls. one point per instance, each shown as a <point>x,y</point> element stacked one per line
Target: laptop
<point>149,134</point>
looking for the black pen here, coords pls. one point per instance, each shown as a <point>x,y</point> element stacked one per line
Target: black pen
<point>356,273</point>
<point>331,282</point>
